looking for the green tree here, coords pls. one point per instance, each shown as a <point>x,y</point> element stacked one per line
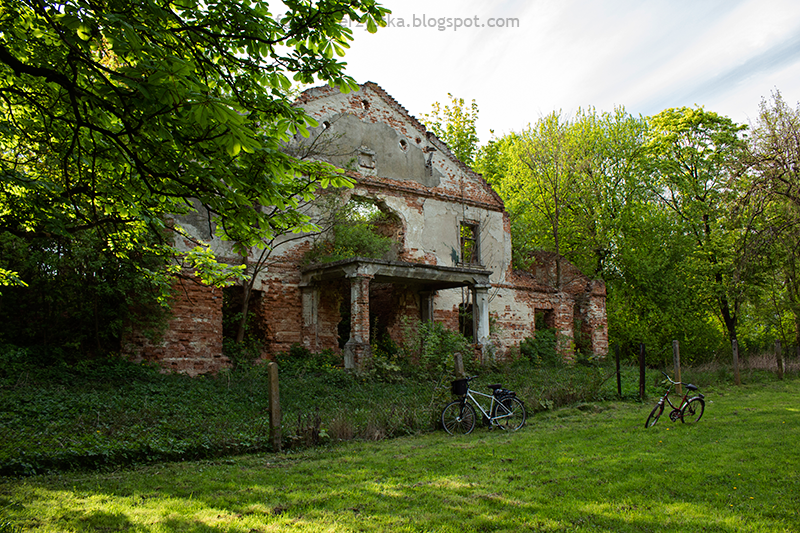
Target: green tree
<point>573,176</point>
<point>593,167</point>
<point>772,166</point>
<point>690,154</point>
<point>121,113</point>
<point>455,124</point>
<point>116,117</point>
<point>548,187</point>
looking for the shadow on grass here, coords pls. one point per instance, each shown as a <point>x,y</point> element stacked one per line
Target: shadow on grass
<point>593,469</point>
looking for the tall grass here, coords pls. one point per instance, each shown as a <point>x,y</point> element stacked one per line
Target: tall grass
<point>104,414</point>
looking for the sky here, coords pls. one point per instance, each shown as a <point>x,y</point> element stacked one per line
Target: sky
<point>562,55</point>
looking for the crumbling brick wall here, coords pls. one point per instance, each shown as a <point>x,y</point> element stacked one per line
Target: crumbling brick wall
<point>192,341</point>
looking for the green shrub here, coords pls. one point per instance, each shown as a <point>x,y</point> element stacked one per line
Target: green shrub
<point>54,365</point>
<point>83,292</point>
<point>542,348</point>
<point>300,360</point>
<point>242,354</point>
<point>356,232</point>
<point>428,347</point>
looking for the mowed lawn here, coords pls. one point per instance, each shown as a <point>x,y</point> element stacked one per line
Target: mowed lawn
<point>589,468</point>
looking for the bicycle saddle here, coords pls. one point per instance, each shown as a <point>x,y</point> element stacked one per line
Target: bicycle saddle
<point>690,386</point>
<point>495,386</point>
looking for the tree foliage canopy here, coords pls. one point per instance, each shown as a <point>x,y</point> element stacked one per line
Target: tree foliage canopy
<point>115,114</point>
<point>650,205</point>
<point>456,124</point>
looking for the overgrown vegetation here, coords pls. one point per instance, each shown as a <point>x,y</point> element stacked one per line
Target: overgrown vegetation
<point>82,293</point>
<point>542,348</point>
<point>59,415</point>
<point>588,468</point>
<point>357,229</point>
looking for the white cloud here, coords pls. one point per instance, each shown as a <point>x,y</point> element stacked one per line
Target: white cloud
<point>565,54</point>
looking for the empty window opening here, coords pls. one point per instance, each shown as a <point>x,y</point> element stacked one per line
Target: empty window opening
<point>255,327</point>
<point>469,243</point>
<point>545,319</point>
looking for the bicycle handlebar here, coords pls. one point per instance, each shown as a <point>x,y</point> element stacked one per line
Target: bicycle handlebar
<point>670,379</point>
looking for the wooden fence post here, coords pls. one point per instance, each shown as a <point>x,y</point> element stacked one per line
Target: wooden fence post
<point>676,363</point>
<point>641,371</point>
<point>779,359</point>
<point>459,365</point>
<point>619,378</point>
<point>274,407</point>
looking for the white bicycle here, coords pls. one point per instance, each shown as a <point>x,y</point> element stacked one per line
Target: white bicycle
<point>505,411</point>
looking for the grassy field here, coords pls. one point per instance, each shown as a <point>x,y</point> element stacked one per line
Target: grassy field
<point>592,467</point>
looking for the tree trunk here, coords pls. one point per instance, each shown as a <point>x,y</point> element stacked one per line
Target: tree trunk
<point>248,290</point>
<point>728,317</point>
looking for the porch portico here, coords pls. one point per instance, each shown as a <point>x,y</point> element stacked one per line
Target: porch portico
<point>423,279</point>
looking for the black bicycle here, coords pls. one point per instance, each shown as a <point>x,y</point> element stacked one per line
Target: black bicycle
<point>689,411</point>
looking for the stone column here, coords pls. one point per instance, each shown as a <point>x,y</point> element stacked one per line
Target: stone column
<point>357,350</point>
<point>310,317</point>
<point>480,318</point>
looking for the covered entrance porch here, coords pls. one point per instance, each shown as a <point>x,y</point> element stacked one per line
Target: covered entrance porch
<point>423,280</point>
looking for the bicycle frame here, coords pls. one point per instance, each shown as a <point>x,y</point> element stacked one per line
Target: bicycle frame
<point>694,405</point>
<point>666,397</point>
<point>486,414</point>
<point>495,406</point>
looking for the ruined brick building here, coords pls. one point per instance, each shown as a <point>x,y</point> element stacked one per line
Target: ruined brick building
<point>451,257</point>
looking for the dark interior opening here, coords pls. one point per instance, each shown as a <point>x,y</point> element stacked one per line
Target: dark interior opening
<point>232,298</point>
<point>465,320</point>
<point>545,319</point>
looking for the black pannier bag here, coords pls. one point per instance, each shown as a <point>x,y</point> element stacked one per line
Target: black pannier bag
<point>459,387</point>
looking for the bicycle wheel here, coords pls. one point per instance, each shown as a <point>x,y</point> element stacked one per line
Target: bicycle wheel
<point>693,410</point>
<point>654,414</point>
<point>509,413</point>
<point>458,418</point>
